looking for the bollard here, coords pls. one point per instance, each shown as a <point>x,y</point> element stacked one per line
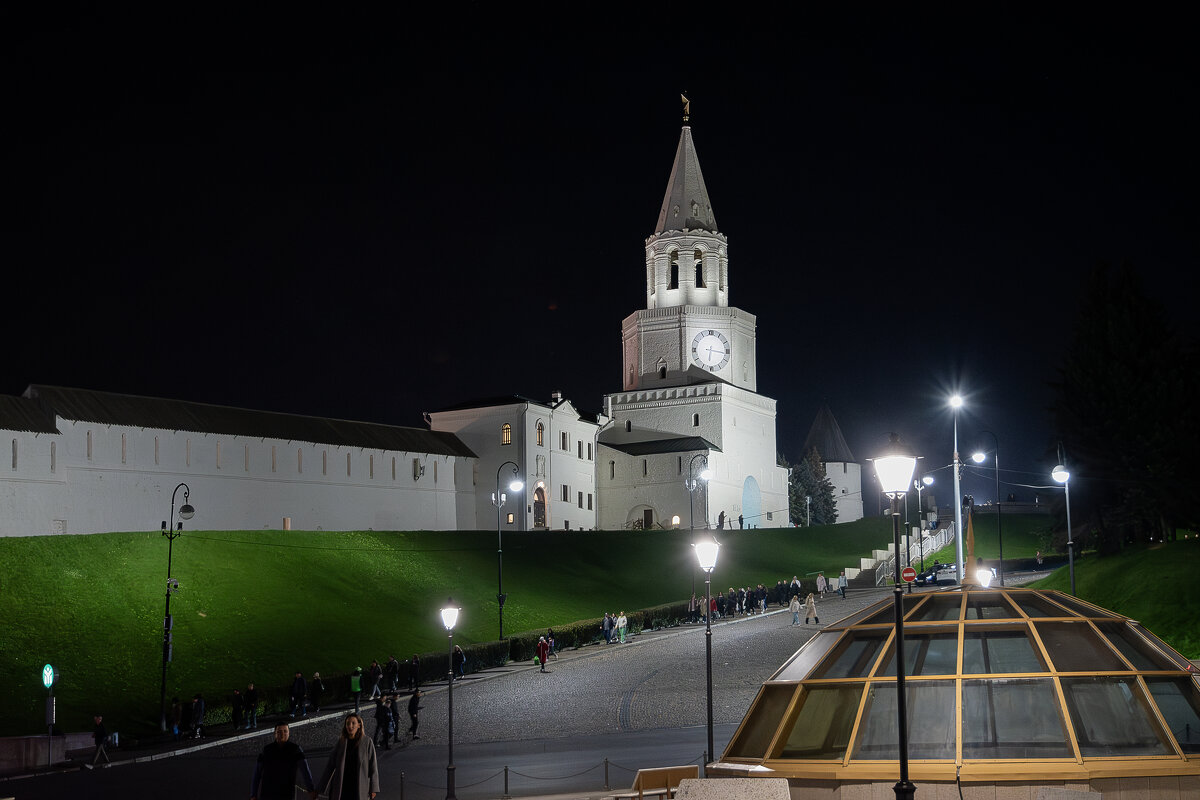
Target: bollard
<point>506,795</point>
<point>606,774</point>
<point>704,763</point>
<point>401,786</point>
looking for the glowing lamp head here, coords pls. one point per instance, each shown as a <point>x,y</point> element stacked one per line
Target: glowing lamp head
<point>1060,474</point>
<point>956,401</point>
<point>895,468</point>
<point>706,554</point>
<point>978,457</point>
<point>450,614</point>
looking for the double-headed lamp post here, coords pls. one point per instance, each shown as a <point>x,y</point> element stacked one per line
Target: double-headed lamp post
<point>692,483</point>
<point>978,458</point>
<point>895,470</point>
<point>172,532</point>
<point>449,617</point>
<point>918,485</point>
<point>706,554</point>
<point>956,403</point>
<point>499,498</point>
<point>1061,475</point>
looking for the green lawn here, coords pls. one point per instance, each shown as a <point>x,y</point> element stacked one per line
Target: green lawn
<point>258,605</point>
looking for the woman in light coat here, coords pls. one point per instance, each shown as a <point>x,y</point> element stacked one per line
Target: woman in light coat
<point>352,772</point>
<point>810,609</point>
<point>794,607</point>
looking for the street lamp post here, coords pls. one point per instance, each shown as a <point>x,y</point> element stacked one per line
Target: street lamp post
<point>956,403</point>
<point>978,459</point>
<point>692,483</point>
<point>808,508</point>
<point>706,554</point>
<point>1061,475</point>
<point>172,533</point>
<point>895,471</point>
<point>498,500</point>
<point>927,481</point>
<point>449,617</point>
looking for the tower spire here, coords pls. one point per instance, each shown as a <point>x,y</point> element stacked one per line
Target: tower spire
<point>687,106</point>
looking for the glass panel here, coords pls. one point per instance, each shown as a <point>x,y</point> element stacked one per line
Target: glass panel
<point>988,606</point>
<point>822,725</point>
<point>1167,650</point>
<point>931,715</point>
<point>757,731</point>
<point>854,655</point>
<point>802,663</point>
<point>858,616</point>
<point>1075,647</point>
<point>926,653</point>
<point>939,607</point>
<point>1079,606</point>
<point>1111,719</point>
<point>1013,718</point>
<point>1180,706</point>
<point>1139,652</point>
<point>887,614</point>
<point>1037,606</point>
<point>993,651</point>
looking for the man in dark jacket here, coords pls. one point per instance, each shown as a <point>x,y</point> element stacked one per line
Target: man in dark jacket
<point>251,706</point>
<point>375,674</point>
<point>275,773</point>
<point>100,737</point>
<point>197,715</point>
<point>414,673</point>
<point>383,722</point>
<point>414,705</point>
<point>391,675</point>
<point>237,705</point>
<point>396,718</point>
<point>298,696</point>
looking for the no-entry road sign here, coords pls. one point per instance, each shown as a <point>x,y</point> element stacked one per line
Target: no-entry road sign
<point>908,574</point>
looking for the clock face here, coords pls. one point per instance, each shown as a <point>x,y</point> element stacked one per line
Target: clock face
<point>710,350</point>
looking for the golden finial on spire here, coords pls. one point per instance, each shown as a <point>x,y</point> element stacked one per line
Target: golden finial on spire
<point>687,107</point>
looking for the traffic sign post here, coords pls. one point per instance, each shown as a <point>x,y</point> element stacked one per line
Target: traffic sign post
<point>48,678</point>
<point>908,575</point>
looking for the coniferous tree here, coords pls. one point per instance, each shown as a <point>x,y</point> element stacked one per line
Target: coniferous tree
<point>1123,408</point>
<point>809,480</point>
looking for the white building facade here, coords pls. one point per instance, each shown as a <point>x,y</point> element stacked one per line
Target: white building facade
<point>553,450</point>
<point>95,462</point>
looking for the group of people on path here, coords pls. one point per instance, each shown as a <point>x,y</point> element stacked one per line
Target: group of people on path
<point>187,719</point>
<point>387,718</point>
<point>352,772</point>
<point>615,627</point>
<point>810,609</point>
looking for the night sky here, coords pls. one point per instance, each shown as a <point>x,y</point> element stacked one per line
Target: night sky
<point>369,219</point>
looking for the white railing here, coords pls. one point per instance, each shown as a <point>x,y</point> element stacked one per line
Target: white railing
<point>931,542</point>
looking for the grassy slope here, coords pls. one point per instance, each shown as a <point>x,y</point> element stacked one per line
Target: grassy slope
<point>258,605</point>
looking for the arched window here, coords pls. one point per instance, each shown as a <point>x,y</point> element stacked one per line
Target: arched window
<point>506,434</point>
<point>662,373</point>
<point>699,269</point>
<point>14,463</point>
<point>628,425</point>
<point>53,457</point>
<point>299,461</point>
<point>674,284</point>
<point>541,435</point>
<point>695,420</point>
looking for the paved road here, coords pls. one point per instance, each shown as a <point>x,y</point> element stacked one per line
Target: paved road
<point>637,704</point>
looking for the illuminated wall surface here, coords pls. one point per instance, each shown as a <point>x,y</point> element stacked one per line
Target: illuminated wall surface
<point>999,684</point>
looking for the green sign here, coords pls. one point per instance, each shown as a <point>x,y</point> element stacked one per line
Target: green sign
<point>47,676</point>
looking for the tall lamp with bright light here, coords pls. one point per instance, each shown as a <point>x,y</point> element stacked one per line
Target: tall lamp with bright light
<point>918,485</point>
<point>693,483</point>
<point>895,471</point>
<point>1061,475</point>
<point>706,554</point>
<point>499,498</point>
<point>979,458</point>
<point>172,531</point>
<point>449,618</point>
<point>956,402</point>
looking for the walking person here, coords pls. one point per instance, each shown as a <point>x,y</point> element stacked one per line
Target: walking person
<point>794,607</point>
<point>251,706</point>
<point>607,627</point>
<point>842,583</point>
<point>197,715</point>
<point>100,737</point>
<point>543,652</point>
<point>414,705</point>
<point>810,609</point>
<point>414,673</point>
<point>391,675</point>
<point>822,584</point>
<point>176,716</point>
<point>622,625</point>
<point>352,772</point>
<point>237,705</point>
<point>375,675</point>
<point>277,767</point>
<point>459,662</point>
<point>550,640</point>
<point>395,706</point>
<point>316,688</point>
<point>383,723</point>
<point>299,695</point>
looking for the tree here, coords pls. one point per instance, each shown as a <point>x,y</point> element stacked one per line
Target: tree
<point>1123,407</point>
<point>808,479</point>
